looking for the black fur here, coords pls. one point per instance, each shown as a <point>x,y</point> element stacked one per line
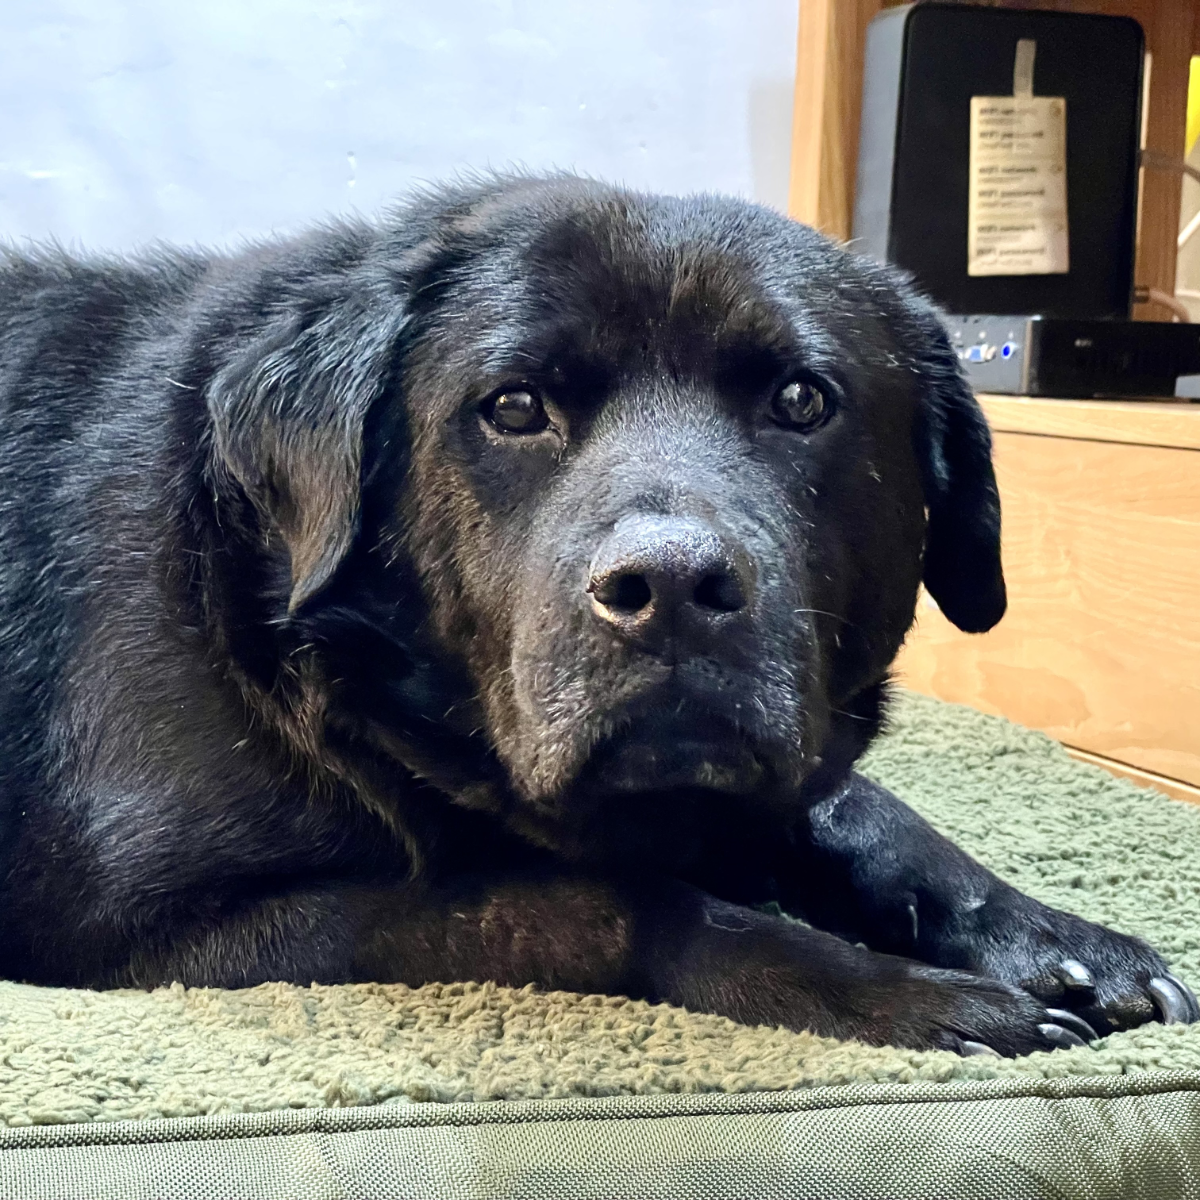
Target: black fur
<point>301,677</point>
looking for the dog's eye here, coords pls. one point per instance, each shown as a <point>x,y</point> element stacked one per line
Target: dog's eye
<point>800,405</point>
<point>518,411</point>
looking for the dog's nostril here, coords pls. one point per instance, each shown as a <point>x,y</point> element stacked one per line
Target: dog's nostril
<point>624,593</point>
<point>658,577</point>
<point>720,591</point>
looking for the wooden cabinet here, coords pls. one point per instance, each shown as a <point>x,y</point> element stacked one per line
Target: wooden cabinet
<point>1101,644</point>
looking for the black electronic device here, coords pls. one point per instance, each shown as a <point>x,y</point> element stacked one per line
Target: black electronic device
<point>917,178</point>
<point>1072,359</point>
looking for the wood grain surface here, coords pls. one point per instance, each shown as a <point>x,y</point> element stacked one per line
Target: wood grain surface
<point>1135,422</point>
<point>1172,787</point>
<point>827,103</point>
<point>1101,644</point>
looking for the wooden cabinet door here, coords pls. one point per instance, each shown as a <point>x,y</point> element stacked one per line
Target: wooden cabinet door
<point>1101,644</point>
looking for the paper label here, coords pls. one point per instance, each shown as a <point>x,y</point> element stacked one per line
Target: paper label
<point>1017,211</point>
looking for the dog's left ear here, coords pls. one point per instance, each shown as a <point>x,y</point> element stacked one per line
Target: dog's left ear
<point>288,417</point>
<point>962,567</point>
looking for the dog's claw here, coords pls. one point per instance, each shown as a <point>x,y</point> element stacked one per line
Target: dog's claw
<point>1174,1000</point>
<point>1076,1024</point>
<point>1190,996</point>
<point>969,1049</point>
<point>1074,974</point>
<point>1060,1038</point>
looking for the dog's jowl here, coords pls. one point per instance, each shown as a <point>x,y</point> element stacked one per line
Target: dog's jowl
<point>504,590</point>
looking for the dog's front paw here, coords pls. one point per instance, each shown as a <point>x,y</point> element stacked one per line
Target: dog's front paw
<point>934,1009</point>
<point>1107,979</point>
<point>767,970</point>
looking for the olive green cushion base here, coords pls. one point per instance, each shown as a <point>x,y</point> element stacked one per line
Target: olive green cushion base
<point>1124,1138</point>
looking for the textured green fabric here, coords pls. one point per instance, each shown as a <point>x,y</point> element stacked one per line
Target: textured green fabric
<point>1120,1138</point>
<point>1068,833</point>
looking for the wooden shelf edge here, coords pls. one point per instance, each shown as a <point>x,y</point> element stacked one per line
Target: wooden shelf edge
<point>1134,422</point>
<point>1175,788</point>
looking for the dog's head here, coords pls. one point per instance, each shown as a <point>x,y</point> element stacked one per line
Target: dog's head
<point>635,494</point>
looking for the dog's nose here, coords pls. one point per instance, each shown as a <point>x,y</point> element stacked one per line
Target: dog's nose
<point>658,575</point>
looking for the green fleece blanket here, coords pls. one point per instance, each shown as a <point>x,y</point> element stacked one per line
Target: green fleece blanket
<point>1068,833</point>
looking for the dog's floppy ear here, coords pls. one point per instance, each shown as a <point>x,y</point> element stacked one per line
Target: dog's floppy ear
<point>288,418</point>
<point>954,447</point>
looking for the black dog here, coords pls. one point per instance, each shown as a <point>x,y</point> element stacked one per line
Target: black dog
<point>504,591</point>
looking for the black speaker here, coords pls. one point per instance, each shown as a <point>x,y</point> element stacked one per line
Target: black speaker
<point>918,185</point>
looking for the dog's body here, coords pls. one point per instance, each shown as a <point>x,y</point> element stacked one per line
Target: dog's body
<point>504,591</point>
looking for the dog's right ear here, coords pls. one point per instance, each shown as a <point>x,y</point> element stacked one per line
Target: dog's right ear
<point>287,417</point>
<point>962,567</point>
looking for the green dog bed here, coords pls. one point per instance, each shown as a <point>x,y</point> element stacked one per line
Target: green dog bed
<point>464,1090</point>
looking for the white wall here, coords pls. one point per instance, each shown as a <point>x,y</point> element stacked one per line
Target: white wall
<point>124,121</point>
